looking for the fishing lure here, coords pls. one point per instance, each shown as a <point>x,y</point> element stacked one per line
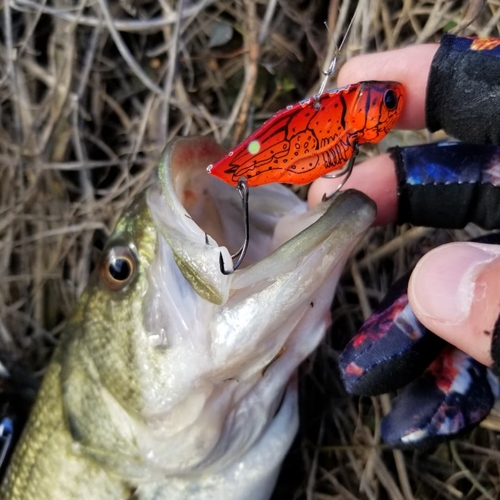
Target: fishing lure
<point>311,139</point>
<point>315,136</point>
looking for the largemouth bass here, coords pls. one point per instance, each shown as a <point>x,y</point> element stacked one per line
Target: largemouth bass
<point>173,380</point>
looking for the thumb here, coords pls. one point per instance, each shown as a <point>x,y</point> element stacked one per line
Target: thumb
<point>455,292</point>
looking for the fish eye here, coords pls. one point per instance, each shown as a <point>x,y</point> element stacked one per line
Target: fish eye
<point>390,99</point>
<point>117,267</point>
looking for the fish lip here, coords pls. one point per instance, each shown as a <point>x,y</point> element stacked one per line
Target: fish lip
<point>334,215</point>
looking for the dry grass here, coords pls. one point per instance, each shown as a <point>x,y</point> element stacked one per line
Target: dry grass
<point>91,90</point>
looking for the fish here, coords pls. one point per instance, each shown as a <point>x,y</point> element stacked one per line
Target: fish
<point>171,379</point>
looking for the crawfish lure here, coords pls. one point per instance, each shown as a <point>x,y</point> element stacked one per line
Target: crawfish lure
<point>315,136</point>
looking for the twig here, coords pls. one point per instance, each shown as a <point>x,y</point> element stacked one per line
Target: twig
<point>172,68</point>
<point>125,53</point>
<point>467,472</point>
<point>266,22</point>
<point>131,26</point>
<point>242,105</point>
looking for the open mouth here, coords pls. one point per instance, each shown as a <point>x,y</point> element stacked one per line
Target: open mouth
<point>201,220</point>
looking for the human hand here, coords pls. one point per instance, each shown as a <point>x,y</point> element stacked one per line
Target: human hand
<point>454,289</point>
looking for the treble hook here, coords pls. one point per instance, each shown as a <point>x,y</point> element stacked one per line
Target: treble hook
<point>346,172</point>
<point>242,188</point>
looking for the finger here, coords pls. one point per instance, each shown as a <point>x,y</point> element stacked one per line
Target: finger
<point>455,292</point>
<point>453,395</point>
<point>409,66</point>
<point>437,185</point>
<point>391,348</point>
<point>375,177</point>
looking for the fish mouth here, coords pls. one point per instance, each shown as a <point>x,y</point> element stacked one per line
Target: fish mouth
<point>201,219</point>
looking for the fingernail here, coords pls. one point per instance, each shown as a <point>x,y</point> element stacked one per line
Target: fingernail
<point>443,282</point>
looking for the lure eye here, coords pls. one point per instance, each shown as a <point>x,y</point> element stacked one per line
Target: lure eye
<point>117,267</point>
<point>390,99</point>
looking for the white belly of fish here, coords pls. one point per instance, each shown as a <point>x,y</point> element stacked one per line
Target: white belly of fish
<point>251,477</point>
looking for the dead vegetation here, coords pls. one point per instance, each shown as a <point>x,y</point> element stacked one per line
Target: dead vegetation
<point>91,90</point>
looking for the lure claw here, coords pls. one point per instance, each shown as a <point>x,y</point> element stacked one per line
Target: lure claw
<point>345,172</point>
<point>242,188</point>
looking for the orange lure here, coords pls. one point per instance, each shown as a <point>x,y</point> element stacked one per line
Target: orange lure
<point>315,136</point>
